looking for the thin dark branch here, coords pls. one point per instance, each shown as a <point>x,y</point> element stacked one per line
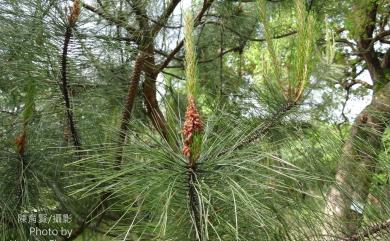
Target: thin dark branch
<point>347,85</point>
<point>173,75</point>
<point>372,230</point>
<point>222,53</point>
<point>8,112</point>
<point>346,120</point>
<point>235,49</point>
<point>363,83</point>
<point>127,39</point>
<point>384,41</point>
<point>206,5</point>
<point>347,42</point>
<point>377,38</point>
<point>139,62</point>
<point>65,88</point>
<point>343,115</point>
<point>262,130</point>
<point>171,56</point>
<point>113,20</point>
<point>164,17</point>
<point>292,32</point>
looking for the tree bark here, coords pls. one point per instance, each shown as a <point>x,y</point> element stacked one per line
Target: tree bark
<point>150,94</point>
<point>347,197</point>
<point>151,70</point>
<point>132,92</point>
<point>149,85</point>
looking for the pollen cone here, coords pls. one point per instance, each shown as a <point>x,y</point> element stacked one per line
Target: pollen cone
<point>74,12</point>
<point>192,125</point>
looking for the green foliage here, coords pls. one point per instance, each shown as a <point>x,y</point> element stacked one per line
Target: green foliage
<point>270,85</point>
<point>238,190</point>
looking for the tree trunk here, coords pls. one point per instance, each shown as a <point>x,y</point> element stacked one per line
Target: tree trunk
<point>346,199</point>
<point>150,94</point>
<point>150,69</point>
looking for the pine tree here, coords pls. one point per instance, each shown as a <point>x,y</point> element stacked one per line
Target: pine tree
<point>215,120</point>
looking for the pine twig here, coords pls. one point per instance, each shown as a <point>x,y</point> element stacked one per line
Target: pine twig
<point>72,18</point>
<point>372,230</point>
<point>65,88</point>
<point>264,129</point>
<point>206,5</point>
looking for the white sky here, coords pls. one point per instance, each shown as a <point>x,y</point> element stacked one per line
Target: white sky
<point>355,105</point>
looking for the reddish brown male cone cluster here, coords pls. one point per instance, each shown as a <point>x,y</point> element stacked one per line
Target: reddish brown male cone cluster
<point>192,124</point>
<point>74,12</point>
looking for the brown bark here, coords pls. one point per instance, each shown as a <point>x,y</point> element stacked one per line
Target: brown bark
<point>367,50</point>
<point>132,93</point>
<point>386,60</point>
<point>358,159</point>
<point>357,163</point>
<point>149,85</point>
<point>150,94</point>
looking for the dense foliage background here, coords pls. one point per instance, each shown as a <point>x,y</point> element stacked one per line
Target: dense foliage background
<point>194,120</point>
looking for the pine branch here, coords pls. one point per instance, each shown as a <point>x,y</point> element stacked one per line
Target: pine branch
<point>193,200</point>
<point>206,5</point>
<point>372,230</point>
<point>21,144</point>
<point>65,88</point>
<point>149,85</point>
<point>111,19</point>
<point>132,92</point>
<point>170,56</point>
<point>122,138</point>
<point>8,112</point>
<point>164,17</point>
<point>125,39</point>
<point>221,54</point>
<point>75,11</point>
<point>248,38</point>
<point>257,134</point>
<point>377,38</point>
